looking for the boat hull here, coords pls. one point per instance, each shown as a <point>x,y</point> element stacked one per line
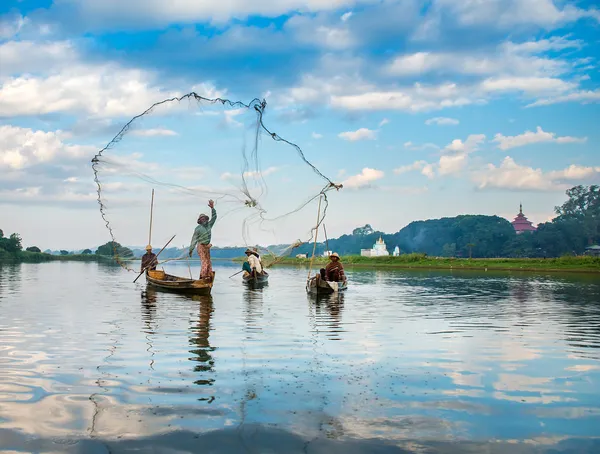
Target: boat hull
<point>255,280</point>
<point>319,286</point>
<point>164,281</point>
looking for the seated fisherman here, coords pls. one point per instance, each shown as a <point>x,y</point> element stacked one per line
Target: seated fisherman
<point>253,262</point>
<point>149,260</point>
<point>334,271</point>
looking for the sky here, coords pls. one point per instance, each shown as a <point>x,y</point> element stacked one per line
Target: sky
<point>421,109</point>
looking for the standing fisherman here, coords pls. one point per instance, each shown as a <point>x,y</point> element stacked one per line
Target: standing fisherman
<point>201,240</point>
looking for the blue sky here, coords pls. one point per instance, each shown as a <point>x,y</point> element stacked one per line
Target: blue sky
<point>422,109</point>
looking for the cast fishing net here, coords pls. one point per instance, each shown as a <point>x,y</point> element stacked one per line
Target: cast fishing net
<point>191,149</point>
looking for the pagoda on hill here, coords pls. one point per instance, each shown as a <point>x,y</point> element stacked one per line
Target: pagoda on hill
<point>521,223</point>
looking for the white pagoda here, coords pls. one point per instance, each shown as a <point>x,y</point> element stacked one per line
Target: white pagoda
<point>379,249</point>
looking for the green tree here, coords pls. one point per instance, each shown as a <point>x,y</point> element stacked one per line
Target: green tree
<point>11,244</point>
<point>33,249</point>
<point>112,249</point>
<point>583,206</point>
<point>86,251</point>
<point>449,250</point>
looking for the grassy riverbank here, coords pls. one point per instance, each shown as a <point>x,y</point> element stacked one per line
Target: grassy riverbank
<point>567,264</point>
<point>38,257</point>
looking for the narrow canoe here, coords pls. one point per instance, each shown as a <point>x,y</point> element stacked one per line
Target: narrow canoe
<point>318,286</point>
<point>165,281</point>
<point>255,280</point>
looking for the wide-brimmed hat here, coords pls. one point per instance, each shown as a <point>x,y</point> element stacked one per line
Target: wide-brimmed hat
<point>148,248</point>
<point>335,254</point>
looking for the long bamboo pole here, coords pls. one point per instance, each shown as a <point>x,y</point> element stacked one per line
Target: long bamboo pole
<point>151,212</point>
<point>315,243</point>
<point>326,240</point>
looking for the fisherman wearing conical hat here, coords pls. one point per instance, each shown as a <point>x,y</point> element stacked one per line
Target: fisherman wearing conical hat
<point>253,262</point>
<point>201,241</point>
<point>334,271</point>
<point>149,260</point>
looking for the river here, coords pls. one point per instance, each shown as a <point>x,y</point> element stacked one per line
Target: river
<point>403,362</point>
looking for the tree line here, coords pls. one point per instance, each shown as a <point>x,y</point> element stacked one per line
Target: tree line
<point>576,226</point>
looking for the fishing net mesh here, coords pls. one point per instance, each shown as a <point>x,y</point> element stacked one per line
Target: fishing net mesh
<point>192,149</point>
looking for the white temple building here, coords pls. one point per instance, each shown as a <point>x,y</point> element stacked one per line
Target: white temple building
<point>396,252</point>
<point>378,250</point>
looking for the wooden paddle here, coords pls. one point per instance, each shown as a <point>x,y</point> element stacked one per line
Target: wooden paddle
<point>156,257</point>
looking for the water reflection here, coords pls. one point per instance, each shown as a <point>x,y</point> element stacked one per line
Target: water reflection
<point>423,361</point>
<point>328,314</point>
<point>202,350</point>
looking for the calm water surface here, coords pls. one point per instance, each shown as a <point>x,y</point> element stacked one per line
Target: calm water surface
<point>419,362</point>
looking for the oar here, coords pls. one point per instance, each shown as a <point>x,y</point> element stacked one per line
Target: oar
<point>236,274</point>
<point>156,257</point>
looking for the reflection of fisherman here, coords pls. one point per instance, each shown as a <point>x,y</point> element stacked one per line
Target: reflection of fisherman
<point>201,240</point>
<point>334,271</point>
<point>149,260</point>
<point>253,264</point>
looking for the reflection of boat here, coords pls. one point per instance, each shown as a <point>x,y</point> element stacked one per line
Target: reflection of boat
<point>165,281</point>
<point>319,286</point>
<point>256,279</point>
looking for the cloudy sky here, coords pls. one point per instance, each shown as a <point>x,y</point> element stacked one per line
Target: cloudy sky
<point>422,109</point>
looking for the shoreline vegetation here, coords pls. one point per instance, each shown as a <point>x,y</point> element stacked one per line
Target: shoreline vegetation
<point>574,264</point>
<point>580,264</point>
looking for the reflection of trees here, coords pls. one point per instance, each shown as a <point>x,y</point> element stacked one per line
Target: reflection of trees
<point>201,346</point>
<point>10,277</point>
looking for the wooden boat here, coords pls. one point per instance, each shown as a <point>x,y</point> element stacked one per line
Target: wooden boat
<point>318,286</point>
<point>165,281</point>
<point>256,279</point>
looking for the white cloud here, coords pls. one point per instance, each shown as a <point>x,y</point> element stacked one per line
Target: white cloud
<point>441,121</point>
<point>263,173</point>
<point>530,85</point>
<point>359,134</point>
<point>543,45</point>
<point>417,165</point>
<point>363,179</point>
<point>468,146</point>
<point>23,147</point>
<point>415,99</point>
<point>316,135</point>
<point>507,14</point>
<point>185,12</point>
<point>528,137</point>
<point>452,164</point>
<point>346,16</point>
<point>511,175</point>
<point>508,59</point>
<point>106,90</point>
<point>19,57</point>
<point>228,176</point>
<point>582,96</point>
<point>428,171</point>
<point>411,146</point>
<point>156,132</point>
<point>10,25</point>
<point>383,122</point>
<point>574,173</point>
